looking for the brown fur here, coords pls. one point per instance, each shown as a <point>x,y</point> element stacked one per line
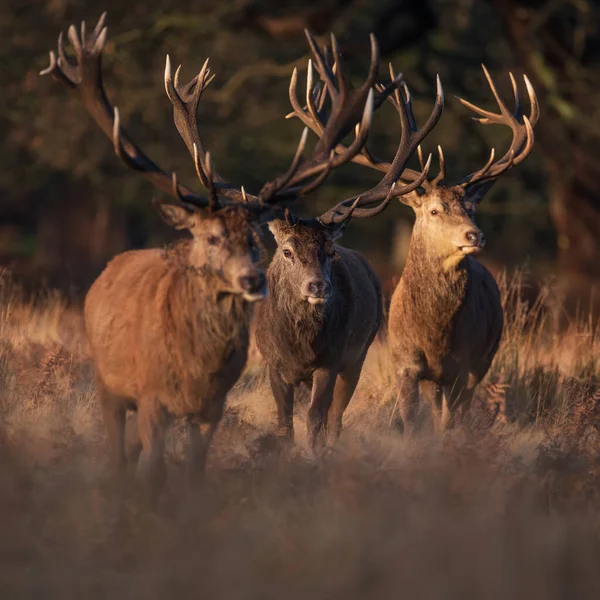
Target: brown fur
<point>169,333</point>
<point>321,345</point>
<point>445,315</point>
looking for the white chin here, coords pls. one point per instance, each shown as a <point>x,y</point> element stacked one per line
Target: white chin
<point>470,249</point>
<point>314,301</point>
<point>256,296</point>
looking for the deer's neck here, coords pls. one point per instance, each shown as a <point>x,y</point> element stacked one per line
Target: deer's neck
<point>207,323</point>
<point>302,323</point>
<point>434,287</point>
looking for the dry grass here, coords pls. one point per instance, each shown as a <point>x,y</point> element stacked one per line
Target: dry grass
<point>508,508</point>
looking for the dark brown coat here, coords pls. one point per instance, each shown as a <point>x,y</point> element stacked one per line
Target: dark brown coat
<point>323,311</point>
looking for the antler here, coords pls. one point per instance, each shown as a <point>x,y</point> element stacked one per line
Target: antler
<point>85,78</point>
<point>388,188</point>
<point>410,139</point>
<point>304,175</point>
<point>350,109</point>
<point>314,115</point>
<point>521,126</point>
<point>185,100</point>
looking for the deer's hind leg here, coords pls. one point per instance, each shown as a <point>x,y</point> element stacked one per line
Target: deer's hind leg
<point>345,386</point>
<point>152,426</point>
<point>433,395</point>
<point>114,411</point>
<point>202,429</point>
<point>133,442</point>
<point>457,401</point>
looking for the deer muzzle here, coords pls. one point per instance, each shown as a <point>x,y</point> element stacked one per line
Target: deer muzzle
<point>253,285</point>
<point>317,291</point>
<point>474,242</point>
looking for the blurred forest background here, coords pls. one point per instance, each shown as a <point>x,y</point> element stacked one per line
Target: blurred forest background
<point>67,204</point>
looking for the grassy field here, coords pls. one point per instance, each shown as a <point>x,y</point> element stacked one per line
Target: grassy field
<point>506,508</point>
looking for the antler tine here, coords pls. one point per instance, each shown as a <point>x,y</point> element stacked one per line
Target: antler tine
<point>100,24</point>
<point>324,69</point>
<point>84,76</point>
<point>338,67</point>
<point>352,207</point>
<point>304,115</point>
<point>521,126</point>
<point>185,100</point>
<point>410,140</point>
<point>409,107</point>
<point>442,173</point>
<point>518,112</point>
<point>310,91</point>
<point>533,102</point>
<point>420,155</point>
<point>411,136</point>
<point>348,107</point>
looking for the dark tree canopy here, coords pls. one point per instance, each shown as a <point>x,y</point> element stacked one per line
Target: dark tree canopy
<point>67,204</point>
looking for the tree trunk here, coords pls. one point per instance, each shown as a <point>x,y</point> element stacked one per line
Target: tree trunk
<point>573,168</point>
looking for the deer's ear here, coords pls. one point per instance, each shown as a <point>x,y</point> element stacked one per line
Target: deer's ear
<point>275,227</point>
<point>178,216</point>
<point>412,199</point>
<point>338,231</point>
<point>476,192</point>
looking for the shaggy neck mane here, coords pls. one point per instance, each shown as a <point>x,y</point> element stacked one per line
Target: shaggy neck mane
<point>208,323</point>
<point>433,291</point>
<point>305,322</point>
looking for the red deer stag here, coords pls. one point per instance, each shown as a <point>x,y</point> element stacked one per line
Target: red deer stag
<point>169,331</point>
<point>446,318</point>
<point>324,306</point>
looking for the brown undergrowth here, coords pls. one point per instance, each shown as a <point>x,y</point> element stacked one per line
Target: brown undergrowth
<point>508,507</point>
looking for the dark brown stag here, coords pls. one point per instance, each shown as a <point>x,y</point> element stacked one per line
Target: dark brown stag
<point>324,306</point>
<point>169,330</point>
<point>446,318</point>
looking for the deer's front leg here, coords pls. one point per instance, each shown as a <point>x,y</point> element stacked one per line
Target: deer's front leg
<point>408,397</point>
<point>320,401</point>
<point>201,435</point>
<point>202,428</point>
<point>284,399</point>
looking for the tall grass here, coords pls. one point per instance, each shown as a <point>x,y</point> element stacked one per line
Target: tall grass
<point>506,508</point>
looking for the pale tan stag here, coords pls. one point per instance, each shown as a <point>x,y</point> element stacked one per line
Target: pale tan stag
<point>446,318</point>
<point>169,330</point>
<point>324,306</point>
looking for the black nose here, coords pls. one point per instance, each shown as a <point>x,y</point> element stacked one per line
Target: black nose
<point>474,237</point>
<point>252,283</point>
<point>319,288</point>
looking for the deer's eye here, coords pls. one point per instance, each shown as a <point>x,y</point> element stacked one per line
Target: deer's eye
<point>287,253</point>
<point>213,240</point>
<point>434,212</point>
